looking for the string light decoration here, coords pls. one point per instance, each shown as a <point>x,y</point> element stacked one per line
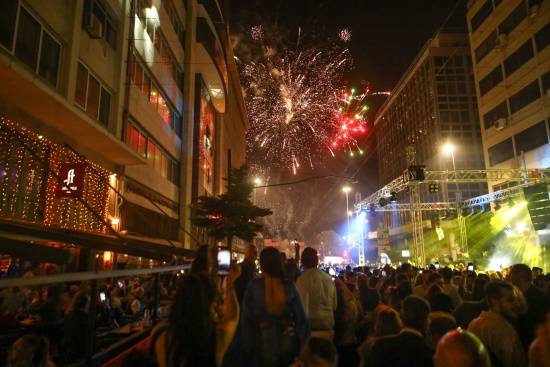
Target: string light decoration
<point>28,189</point>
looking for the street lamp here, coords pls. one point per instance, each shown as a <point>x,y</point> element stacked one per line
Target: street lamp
<point>257,182</point>
<point>346,190</point>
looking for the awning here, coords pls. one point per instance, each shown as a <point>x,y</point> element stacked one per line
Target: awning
<point>34,252</point>
<point>27,232</point>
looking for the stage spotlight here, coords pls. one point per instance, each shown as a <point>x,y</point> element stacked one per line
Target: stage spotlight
<point>465,211</point>
<point>486,208</point>
<point>497,205</point>
<point>393,198</point>
<point>362,213</point>
<point>382,202</point>
<point>511,203</point>
<point>371,208</point>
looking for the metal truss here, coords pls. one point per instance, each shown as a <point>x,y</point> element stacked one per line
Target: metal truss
<point>517,175</point>
<point>409,182</point>
<point>407,207</point>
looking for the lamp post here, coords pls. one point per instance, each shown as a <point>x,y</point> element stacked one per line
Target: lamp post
<point>257,181</point>
<point>449,148</point>
<point>346,190</point>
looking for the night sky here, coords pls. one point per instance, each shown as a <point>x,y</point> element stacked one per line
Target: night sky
<point>386,37</point>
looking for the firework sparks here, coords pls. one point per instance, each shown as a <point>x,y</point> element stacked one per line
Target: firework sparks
<point>290,97</point>
<point>350,120</point>
<point>345,35</point>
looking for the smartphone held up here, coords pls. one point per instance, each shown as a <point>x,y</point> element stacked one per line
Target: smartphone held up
<point>224,260</point>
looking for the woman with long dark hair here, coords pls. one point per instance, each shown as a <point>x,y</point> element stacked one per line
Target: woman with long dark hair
<point>274,324</point>
<point>197,333</point>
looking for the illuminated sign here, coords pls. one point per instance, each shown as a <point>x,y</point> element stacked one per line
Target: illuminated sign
<point>72,180</point>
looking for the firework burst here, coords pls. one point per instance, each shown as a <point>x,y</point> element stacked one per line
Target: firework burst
<point>290,94</point>
<point>350,121</point>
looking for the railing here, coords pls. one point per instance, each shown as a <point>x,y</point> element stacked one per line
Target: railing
<point>114,346</point>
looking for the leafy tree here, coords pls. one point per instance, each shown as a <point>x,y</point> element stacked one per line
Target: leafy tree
<point>231,214</point>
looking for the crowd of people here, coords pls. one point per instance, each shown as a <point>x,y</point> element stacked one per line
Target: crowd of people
<point>295,313</point>
<point>282,314</point>
<point>56,318</point>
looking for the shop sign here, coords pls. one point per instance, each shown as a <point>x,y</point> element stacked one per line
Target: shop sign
<point>72,180</point>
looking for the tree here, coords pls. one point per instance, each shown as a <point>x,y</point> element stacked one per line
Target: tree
<point>231,214</point>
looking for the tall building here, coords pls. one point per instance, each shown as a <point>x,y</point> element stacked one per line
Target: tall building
<point>509,41</point>
<point>133,105</point>
<point>433,105</point>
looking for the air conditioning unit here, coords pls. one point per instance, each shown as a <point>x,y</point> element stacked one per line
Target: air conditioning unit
<point>500,124</point>
<point>501,41</point>
<point>534,11</point>
<point>93,26</point>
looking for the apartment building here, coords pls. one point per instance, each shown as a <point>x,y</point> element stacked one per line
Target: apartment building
<point>115,116</point>
<point>511,57</point>
<point>433,105</point>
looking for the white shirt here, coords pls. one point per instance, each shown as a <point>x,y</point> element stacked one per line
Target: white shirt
<point>452,291</point>
<point>318,294</point>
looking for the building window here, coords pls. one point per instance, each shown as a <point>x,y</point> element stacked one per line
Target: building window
<point>174,19</point>
<point>107,24</point>
<point>30,42</point>
<point>155,96</point>
<point>92,96</point>
<point>501,152</point>
<point>156,157</point>
<point>531,138</point>
<point>512,20</point>
<point>486,46</point>
<point>546,83</point>
<point>518,58</point>
<point>496,113</point>
<point>542,37</point>
<point>491,80</point>
<point>481,15</point>
<point>525,96</point>
<point>8,15</point>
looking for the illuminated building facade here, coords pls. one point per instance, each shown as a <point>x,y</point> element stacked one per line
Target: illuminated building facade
<point>510,42</point>
<point>143,93</point>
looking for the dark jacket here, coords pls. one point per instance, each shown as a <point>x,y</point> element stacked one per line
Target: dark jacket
<point>406,349</point>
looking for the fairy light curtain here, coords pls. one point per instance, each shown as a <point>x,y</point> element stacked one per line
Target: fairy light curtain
<point>28,189</point>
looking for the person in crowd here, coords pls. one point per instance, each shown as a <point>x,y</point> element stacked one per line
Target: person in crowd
<point>494,327</point>
<point>138,305</point>
<point>317,352</point>
<point>438,300</point>
<point>387,322</point>
<point>404,289</point>
<point>291,269</point>
<point>450,289</point>
<point>346,319</point>
<point>408,348</point>
<point>14,300</point>
<point>368,296</point>
<point>248,271</point>
<point>29,351</point>
<point>408,270</point>
<point>539,351</point>
<point>274,324</point>
<point>68,296</point>
<point>422,289</point>
<point>50,317</point>
<point>538,303</point>
<point>197,333</point>
<point>75,327</point>
<point>439,323</point>
<point>318,294</point>
<point>461,348</point>
<point>469,310</point>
